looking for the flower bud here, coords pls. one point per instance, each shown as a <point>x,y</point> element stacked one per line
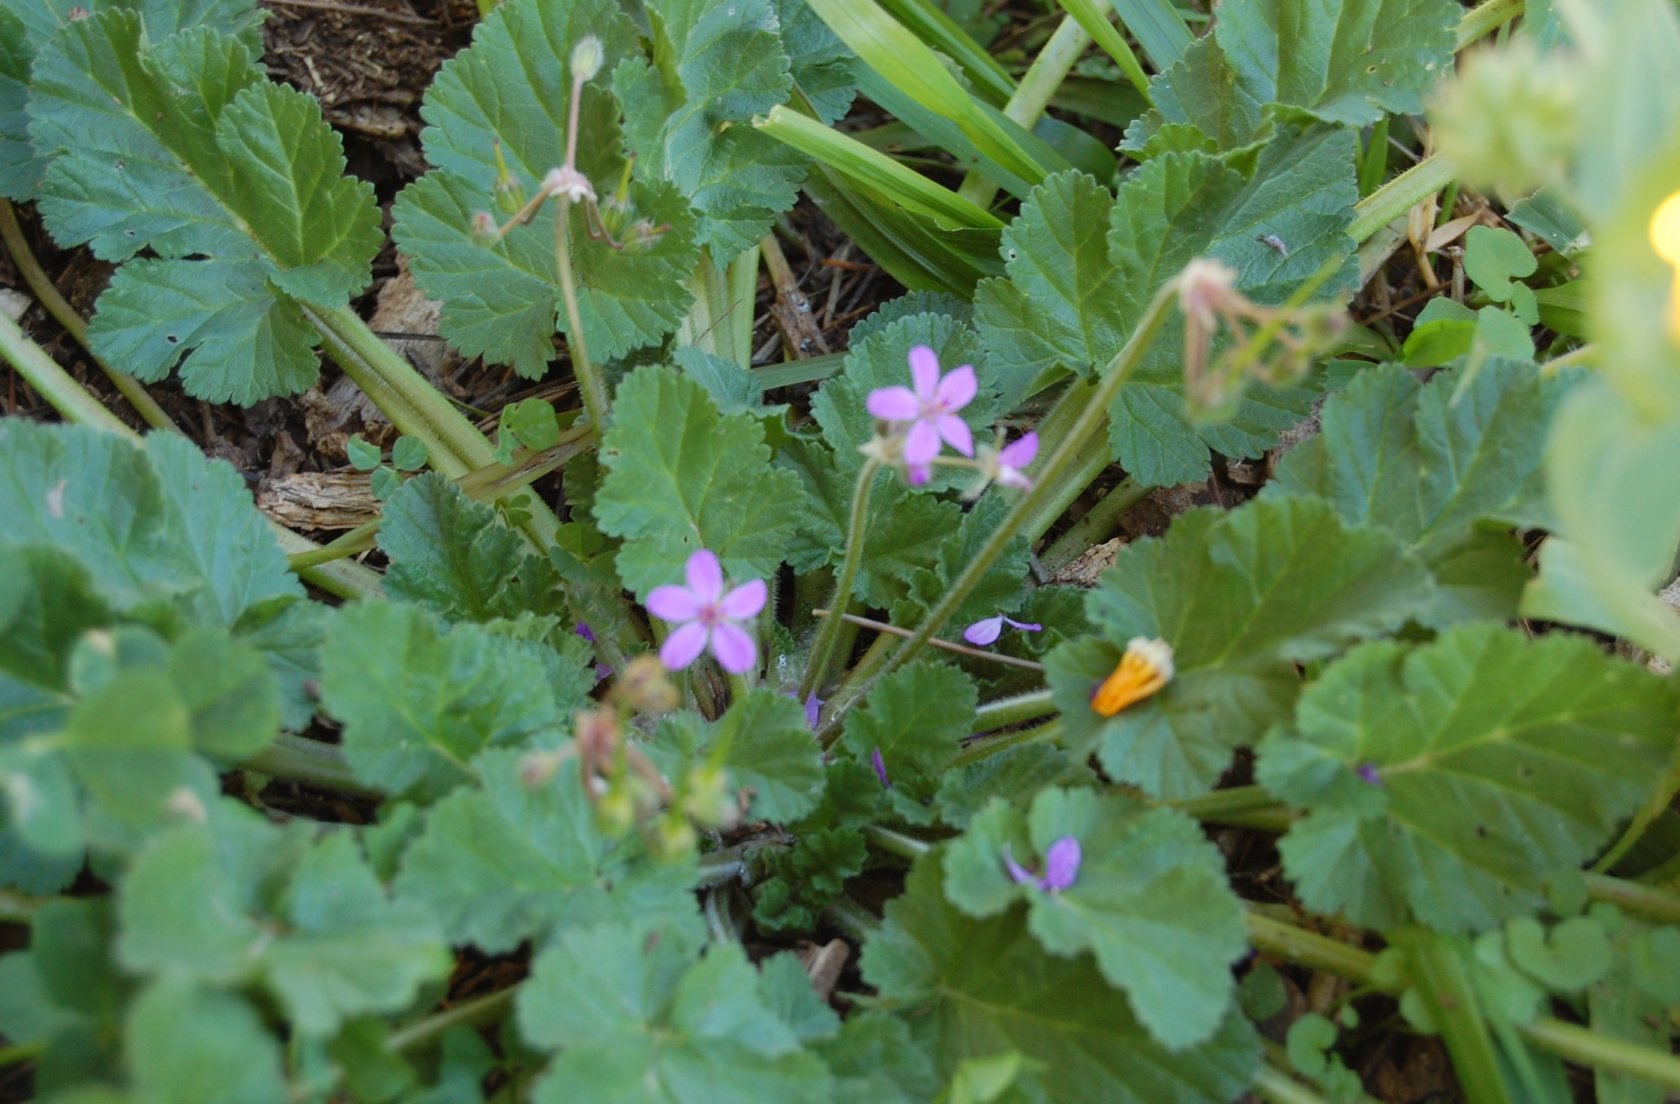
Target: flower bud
<point>615,812</point>
<point>674,837</point>
<point>707,798</point>
<point>587,58</point>
<point>646,686</point>
<point>483,228</point>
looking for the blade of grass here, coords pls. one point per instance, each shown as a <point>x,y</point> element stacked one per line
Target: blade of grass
<point>1157,26</point>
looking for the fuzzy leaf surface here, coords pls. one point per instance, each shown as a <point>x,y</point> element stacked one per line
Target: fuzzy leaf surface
<point>1502,761</point>
<point>1347,62</point>
<point>981,987</point>
<point>420,703</point>
<point>640,1020</point>
<point>689,112</point>
<point>681,476</point>
<point>182,146</point>
<point>511,91</point>
<point>1150,902</point>
<point>502,862</point>
<point>1241,597</point>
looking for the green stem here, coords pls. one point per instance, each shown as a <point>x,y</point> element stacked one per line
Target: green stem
<point>343,578</point>
<point>594,391</point>
<point>1092,459</point>
<point>54,384</point>
<point>1098,523</point>
<point>822,648</point>
<point>1394,199</point>
<point>1033,95</point>
<point>1276,1087</point>
<point>1009,711</point>
<point>1484,18</point>
<point>1305,948</point>
<point>851,918</point>
<point>1240,807</point>
<point>15,908</point>
<point>70,399</point>
<point>1589,1048</point>
<point>429,1030</point>
<point>47,293</point>
<point>19,1053</point>
<point>986,747</point>
<point>896,843</point>
<point>1656,904</point>
<point>1047,483</point>
<point>310,761</point>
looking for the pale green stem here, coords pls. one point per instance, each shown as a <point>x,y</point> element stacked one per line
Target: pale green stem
<point>47,293</point>
<point>1032,96</point>
<point>1275,1087</point>
<point>1648,901</point>
<point>822,648</point>
<point>21,1052</point>
<point>1092,460</point>
<point>1008,711</point>
<point>310,761</point>
<point>1098,523</point>
<point>590,385</point>
<point>1047,483</point>
<point>473,1012</point>
<point>70,399</point>
<point>896,843</point>
<point>1394,199</point>
<point>1239,807</point>
<point>1485,18</point>
<point>988,746</point>
<point>1578,1044</point>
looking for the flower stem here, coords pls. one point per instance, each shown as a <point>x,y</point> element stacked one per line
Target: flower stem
<point>987,746</point>
<point>1239,807</point>
<point>434,1027</point>
<point>1648,901</point>
<point>1008,711</point>
<point>896,843</point>
<point>1094,527</point>
<point>310,761</point>
<point>822,648</point>
<point>589,380</point>
<point>56,305</point>
<point>1394,199</point>
<point>1046,486</point>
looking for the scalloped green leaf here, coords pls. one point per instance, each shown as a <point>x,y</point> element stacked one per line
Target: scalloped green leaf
<point>510,91</point>
<point>688,113</point>
<point>976,988</point>
<point>1498,761</point>
<point>1443,466</point>
<point>181,146</point>
<point>1151,902</point>
<point>504,861</point>
<point>639,1019</point>
<point>1241,597</point>
<point>1347,62</point>
<point>916,718</point>
<point>418,703</point>
<point>681,477</point>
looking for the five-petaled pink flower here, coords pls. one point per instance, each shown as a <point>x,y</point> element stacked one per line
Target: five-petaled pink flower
<point>708,615</point>
<point>930,409</point>
<point>1061,867</point>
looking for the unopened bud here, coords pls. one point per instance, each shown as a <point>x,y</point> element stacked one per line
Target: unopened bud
<point>587,58</point>
<point>674,837</point>
<point>483,228</point>
<point>708,800</point>
<point>615,813</point>
<point>510,196</point>
<point>538,768</point>
<point>646,686</point>
<point>569,184</point>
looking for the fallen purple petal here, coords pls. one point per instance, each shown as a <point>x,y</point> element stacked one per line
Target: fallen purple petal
<point>1061,865</point>
<point>880,766</point>
<point>985,631</point>
<point>1368,772</point>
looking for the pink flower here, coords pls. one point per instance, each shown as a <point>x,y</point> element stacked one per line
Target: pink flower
<point>1011,458</point>
<point>930,409</point>
<point>708,615</point>
<point>1061,866</point>
<point>988,630</point>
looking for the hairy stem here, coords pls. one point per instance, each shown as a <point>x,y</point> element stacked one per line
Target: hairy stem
<point>987,746</point>
<point>1008,711</point>
<point>61,310</point>
<point>589,380</point>
<point>822,648</point>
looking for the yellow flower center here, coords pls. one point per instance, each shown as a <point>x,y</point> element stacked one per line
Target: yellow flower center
<point>1665,239</point>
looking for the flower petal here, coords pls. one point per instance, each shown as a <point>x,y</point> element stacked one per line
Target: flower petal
<point>683,646</point>
<point>921,444</point>
<point>956,433</point>
<point>894,404</point>
<point>1061,864</point>
<point>1020,453</point>
<point>1018,873</point>
<point>813,711</point>
<point>705,577</point>
<point>745,600</point>
<point>957,389</point>
<point>918,474</point>
<point>1025,626</point>
<point>924,372</point>
<point>673,603</point>
<point>1009,477</point>
<point>984,632</point>
<point>736,651</point>
<point>880,766</point>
